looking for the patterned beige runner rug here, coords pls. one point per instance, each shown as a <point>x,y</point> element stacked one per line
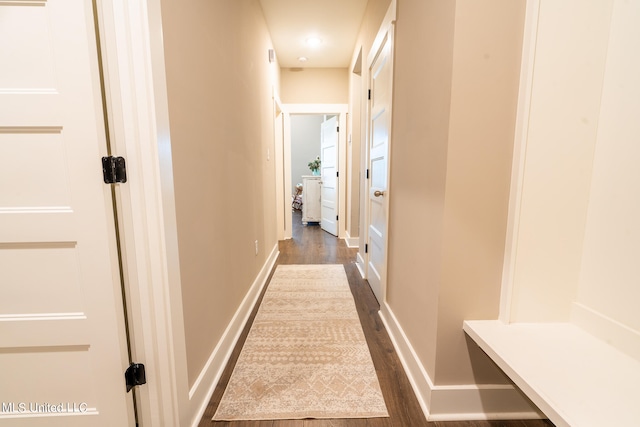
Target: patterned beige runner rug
<point>305,355</point>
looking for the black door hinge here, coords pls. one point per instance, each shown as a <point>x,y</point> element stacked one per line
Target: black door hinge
<point>367,173</point>
<point>336,217</point>
<point>338,129</point>
<point>337,174</point>
<point>369,94</point>
<point>114,170</point>
<point>366,248</point>
<point>135,375</point>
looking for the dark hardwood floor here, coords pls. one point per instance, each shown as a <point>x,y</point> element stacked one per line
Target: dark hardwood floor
<point>311,245</point>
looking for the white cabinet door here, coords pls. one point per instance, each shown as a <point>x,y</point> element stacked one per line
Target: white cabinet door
<point>62,341</point>
<point>311,199</point>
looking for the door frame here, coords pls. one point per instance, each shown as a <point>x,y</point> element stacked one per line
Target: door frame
<point>386,29</point>
<point>278,131</point>
<point>285,198</point>
<point>137,108</point>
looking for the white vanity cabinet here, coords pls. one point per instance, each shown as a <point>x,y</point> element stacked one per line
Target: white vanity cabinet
<point>311,191</point>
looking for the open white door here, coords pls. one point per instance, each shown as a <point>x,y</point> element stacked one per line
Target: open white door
<point>329,168</point>
<point>62,338</point>
<point>380,72</point>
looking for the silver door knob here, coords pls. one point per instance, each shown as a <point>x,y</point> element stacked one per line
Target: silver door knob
<point>378,193</point>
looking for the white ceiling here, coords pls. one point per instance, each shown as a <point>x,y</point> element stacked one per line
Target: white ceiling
<point>292,22</point>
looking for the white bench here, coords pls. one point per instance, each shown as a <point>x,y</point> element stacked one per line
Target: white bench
<point>575,378</point>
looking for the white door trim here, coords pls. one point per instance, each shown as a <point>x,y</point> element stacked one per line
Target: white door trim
<point>137,107</point>
<point>519,153</point>
<point>386,28</point>
<point>278,154</point>
<point>285,202</point>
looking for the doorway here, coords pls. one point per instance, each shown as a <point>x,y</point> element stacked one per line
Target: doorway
<point>290,112</point>
<point>314,168</point>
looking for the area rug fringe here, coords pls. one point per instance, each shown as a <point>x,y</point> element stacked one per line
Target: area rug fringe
<point>305,355</point>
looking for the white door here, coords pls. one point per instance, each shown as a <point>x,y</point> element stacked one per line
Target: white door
<point>329,168</point>
<point>380,73</point>
<point>62,340</point>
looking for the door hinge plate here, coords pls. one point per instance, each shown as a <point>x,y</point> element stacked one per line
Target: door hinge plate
<point>135,375</point>
<point>114,170</point>
<point>366,248</point>
<point>367,173</point>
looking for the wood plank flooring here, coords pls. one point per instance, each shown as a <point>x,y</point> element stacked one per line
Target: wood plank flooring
<point>311,245</point>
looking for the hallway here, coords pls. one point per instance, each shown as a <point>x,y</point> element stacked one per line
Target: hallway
<point>311,245</point>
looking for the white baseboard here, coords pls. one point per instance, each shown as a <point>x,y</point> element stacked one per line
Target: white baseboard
<point>418,377</point>
<point>360,265</point>
<point>458,402</point>
<point>481,402</point>
<point>607,329</point>
<point>203,388</point>
<point>352,242</point>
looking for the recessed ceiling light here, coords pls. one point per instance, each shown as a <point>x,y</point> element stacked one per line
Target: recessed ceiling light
<point>314,41</point>
<point>303,59</point>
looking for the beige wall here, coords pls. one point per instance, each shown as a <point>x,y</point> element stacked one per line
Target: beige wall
<point>219,86</point>
<point>314,86</point>
<point>418,167</point>
<point>484,93</point>
<point>456,86</point>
